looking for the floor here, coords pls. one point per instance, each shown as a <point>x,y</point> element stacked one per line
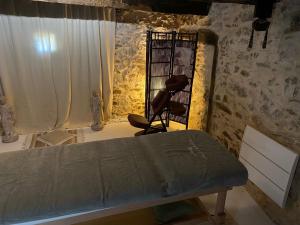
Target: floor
<point>241,207</point>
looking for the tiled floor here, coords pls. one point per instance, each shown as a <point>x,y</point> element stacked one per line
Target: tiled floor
<point>242,208</point>
<point>110,131</point>
<point>22,143</point>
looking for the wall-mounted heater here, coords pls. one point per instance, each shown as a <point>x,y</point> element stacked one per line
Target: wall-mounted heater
<point>271,166</point>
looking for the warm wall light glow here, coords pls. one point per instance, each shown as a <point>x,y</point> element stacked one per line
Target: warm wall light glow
<point>45,42</point>
<point>176,126</point>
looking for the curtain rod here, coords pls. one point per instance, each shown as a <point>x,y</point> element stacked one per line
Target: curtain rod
<point>98,3</point>
<point>30,8</point>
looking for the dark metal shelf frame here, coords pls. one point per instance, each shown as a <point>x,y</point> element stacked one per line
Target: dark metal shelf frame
<point>168,41</point>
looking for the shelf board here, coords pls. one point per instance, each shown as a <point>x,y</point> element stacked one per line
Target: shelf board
<point>160,76</point>
<point>169,48</point>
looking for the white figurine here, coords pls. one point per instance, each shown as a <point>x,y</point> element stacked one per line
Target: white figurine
<point>7,122</point>
<point>96,110</point>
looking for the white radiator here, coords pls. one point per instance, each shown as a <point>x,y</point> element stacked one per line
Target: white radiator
<point>270,165</point>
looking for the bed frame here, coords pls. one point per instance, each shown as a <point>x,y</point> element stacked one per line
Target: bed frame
<point>164,186</point>
<point>217,219</point>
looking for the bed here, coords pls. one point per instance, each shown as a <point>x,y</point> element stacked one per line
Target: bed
<point>74,183</point>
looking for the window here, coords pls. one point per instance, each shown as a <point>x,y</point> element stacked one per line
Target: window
<point>45,42</point>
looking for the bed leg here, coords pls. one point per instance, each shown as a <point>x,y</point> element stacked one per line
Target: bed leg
<point>219,217</point>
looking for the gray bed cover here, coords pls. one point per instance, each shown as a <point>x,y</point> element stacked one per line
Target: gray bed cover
<point>55,181</point>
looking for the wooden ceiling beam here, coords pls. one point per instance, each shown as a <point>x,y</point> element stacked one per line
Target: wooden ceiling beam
<point>249,2</point>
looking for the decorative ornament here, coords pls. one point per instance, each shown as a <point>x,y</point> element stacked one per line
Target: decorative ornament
<point>96,104</point>
<point>7,121</point>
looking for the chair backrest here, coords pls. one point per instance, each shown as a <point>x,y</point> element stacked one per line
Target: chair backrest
<point>176,83</point>
<point>160,101</point>
<point>163,97</point>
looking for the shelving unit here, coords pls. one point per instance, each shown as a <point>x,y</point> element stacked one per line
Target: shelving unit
<point>170,54</point>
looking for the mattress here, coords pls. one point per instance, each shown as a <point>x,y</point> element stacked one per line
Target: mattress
<point>68,179</point>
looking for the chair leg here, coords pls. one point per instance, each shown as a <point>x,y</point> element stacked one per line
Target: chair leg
<point>150,122</point>
<point>163,124</point>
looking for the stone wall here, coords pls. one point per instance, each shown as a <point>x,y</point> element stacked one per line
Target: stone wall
<point>201,86</point>
<point>130,58</point>
<point>130,65</point>
<point>260,87</point>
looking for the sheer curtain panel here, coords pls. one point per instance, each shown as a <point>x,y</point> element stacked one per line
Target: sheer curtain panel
<point>49,68</point>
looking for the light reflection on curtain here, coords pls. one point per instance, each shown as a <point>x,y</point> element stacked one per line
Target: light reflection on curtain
<point>49,68</point>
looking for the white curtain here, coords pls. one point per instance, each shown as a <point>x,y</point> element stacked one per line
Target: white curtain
<point>49,68</point>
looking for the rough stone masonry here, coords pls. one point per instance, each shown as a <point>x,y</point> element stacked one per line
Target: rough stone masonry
<point>259,87</point>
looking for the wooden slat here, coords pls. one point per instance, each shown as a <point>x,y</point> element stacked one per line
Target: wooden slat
<point>265,166</point>
<point>264,184</point>
<point>270,165</point>
<point>279,154</point>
